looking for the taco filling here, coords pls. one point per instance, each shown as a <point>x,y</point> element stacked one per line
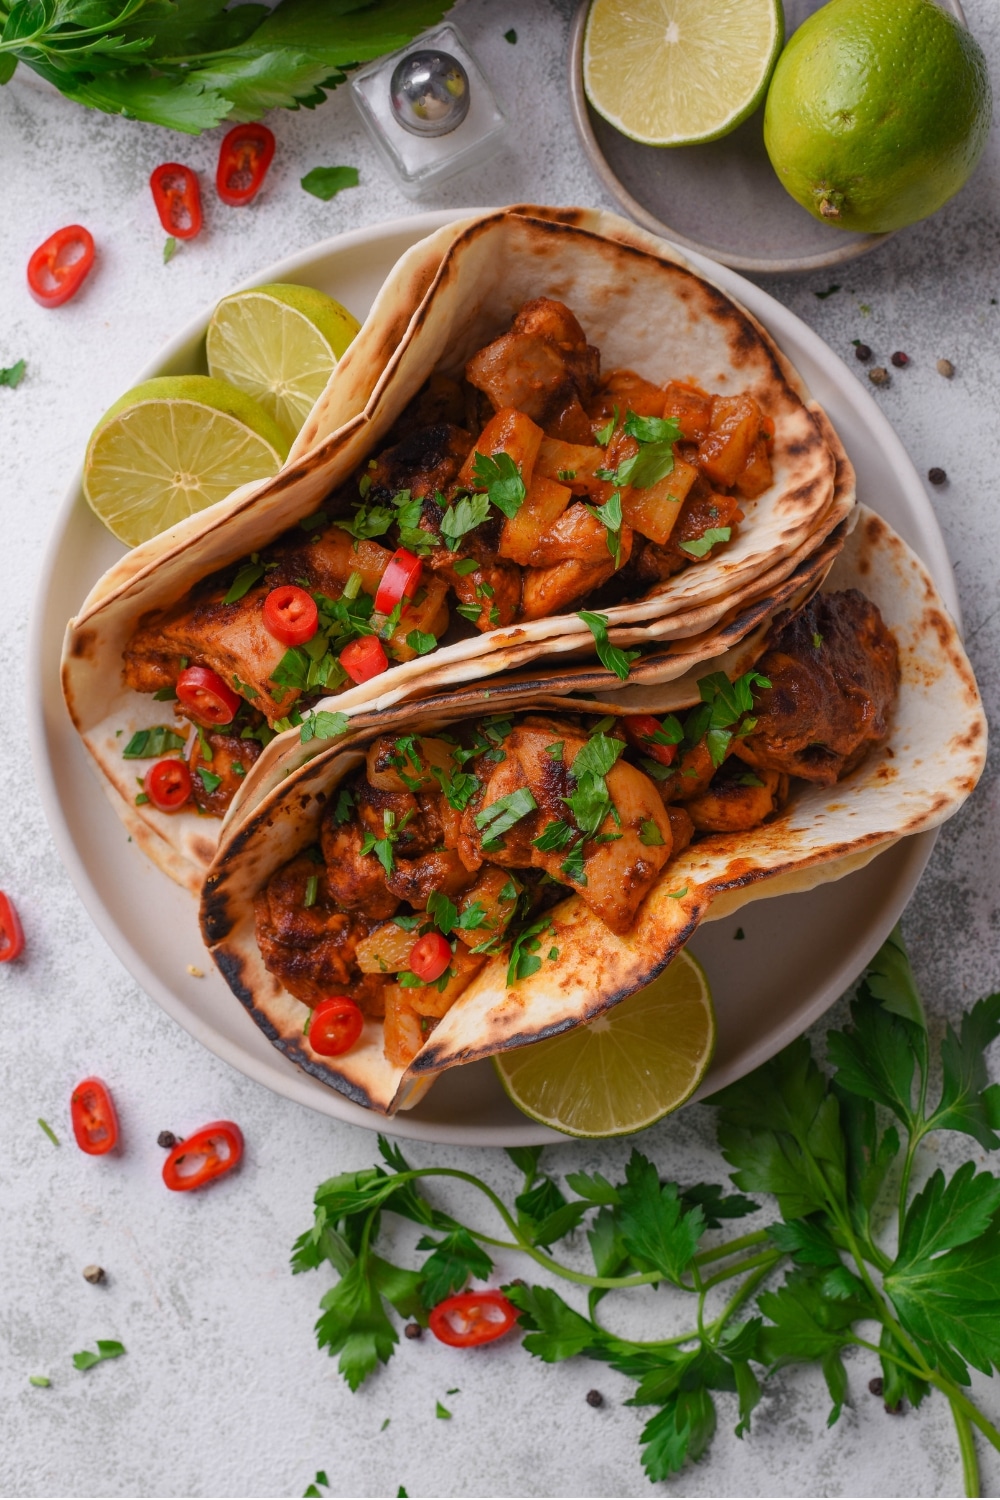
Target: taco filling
<point>530,486</point>
<point>448,849</point>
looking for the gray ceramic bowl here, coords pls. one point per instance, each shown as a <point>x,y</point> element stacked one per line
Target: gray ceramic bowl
<point>722,199</point>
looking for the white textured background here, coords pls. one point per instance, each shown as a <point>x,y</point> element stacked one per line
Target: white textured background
<point>222,1391</point>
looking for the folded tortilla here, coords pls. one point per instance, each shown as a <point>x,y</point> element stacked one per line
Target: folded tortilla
<point>643,307</point>
<point>916,779</point>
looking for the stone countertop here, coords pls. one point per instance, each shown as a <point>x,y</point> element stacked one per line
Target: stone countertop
<point>222,1391</point>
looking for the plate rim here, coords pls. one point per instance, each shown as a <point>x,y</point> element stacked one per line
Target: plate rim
<point>602,169</point>
<point>290,1082</point>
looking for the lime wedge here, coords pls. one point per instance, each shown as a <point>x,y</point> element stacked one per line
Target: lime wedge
<point>675,72</point>
<point>171,447</point>
<point>279,343</point>
<point>625,1070</point>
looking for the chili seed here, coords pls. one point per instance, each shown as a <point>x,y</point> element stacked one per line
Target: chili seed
<point>876,1386</point>
<point>594,1398</point>
<point>937,476</point>
<point>167,1140</point>
<point>862,352</point>
<point>93,1274</point>
<point>879,376</point>
<point>413,1331</point>
<point>899,359</point>
<point>945,368</point>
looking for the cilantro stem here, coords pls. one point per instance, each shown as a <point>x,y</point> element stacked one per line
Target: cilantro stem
<point>740,1296</point>
<point>732,1247</point>
<point>766,1260</point>
<point>967,1448</point>
<point>923,1371</point>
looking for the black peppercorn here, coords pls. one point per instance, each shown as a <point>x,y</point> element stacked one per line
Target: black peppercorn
<point>413,1331</point>
<point>167,1140</point>
<point>899,359</point>
<point>876,1386</point>
<point>937,476</point>
<point>862,352</point>
<point>594,1398</point>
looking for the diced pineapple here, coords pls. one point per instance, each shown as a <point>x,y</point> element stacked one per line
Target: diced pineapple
<point>386,950</point>
<point>571,463</point>
<point>691,408</point>
<point>654,511</point>
<point>404,763</point>
<point>541,508</point>
<point>736,426</point>
<point>508,431</point>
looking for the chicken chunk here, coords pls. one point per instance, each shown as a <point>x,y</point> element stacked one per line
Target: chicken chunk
<point>544,367</point>
<point>737,799</point>
<point>354,880</point>
<point>834,674</point>
<point>426,463</point>
<point>310,947</point>
<point>230,759</point>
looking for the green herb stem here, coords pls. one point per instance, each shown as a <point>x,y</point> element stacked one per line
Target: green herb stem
<point>733,1247</point>
<point>766,1261</point>
<point>967,1448</point>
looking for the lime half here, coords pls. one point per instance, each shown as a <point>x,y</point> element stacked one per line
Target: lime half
<point>279,343</point>
<point>173,446</point>
<point>675,72</point>
<point>625,1070</point>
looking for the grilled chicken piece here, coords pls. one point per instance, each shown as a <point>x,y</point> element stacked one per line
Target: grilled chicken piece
<point>546,591</point>
<point>311,948</point>
<point>691,775</point>
<point>682,829</point>
<point>425,857</point>
<point>703,510</point>
<point>626,391</point>
<point>738,800</point>
<point>493,587</point>
<point>577,536</point>
<point>543,366</point>
<point>426,463</point>
<point>230,760</point>
<point>354,880</point>
<point>834,674</point>
<point>617,874</point>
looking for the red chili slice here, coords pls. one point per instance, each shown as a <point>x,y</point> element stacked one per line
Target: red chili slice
<point>400,580</point>
<point>364,658</point>
<point>430,956</point>
<point>168,784</point>
<point>472,1318</point>
<point>207,696</point>
<point>244,157</point>
<point>11,934</point>
<point>335,1026</point>
<point>95,1123</point>
<point>639,731</point>
<point>178,199</point>
<point>209,1153</point>
<point>290,615</point>
<point>59,267</point>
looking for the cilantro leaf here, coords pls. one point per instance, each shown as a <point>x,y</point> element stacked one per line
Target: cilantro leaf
<point>248,575</point>
<point>700,546</point>
<point>442,912</point>
<point>327,182</point>
<point>454,1259</point>
<point>85,1359</point>
<point>210,780</point>
<point>421,641</point>
<point>13,374</point>
<point>649,833</point>
<point>150,744</point>
<point>464,516</point>
<point>613,657</point>
<point>323,725</point>
<point>656,1230</point>
<point>500,816</point>
<point>501,478</point>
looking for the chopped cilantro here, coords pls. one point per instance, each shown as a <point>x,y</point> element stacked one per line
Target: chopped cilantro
<point>323,726</point>
<point>610,516</point>
<point>312,890</point>
<point>613,657</point>
<point>459,789</point>
<point>383,848</point>
<point>649,833</point>
<point>469,611</point>
<point>459,519</point>
<point>39,1380</point>
<point>603,434</point>
<point>150,744</point>
<point>465,565</point>
<point>817,640</point>
<point>209,780</point>
<point>140,798</point>
<point>244,688</point>
<point>502,481</point>
<point>555,750</point>
<point>13,374</point>
<point>85,1359</point>
<point>317,519</point>
<point>442,912</point>
<point>500,816</point>
<point>47,1127</point>
<point>169,249</point>
<point>523,954</point>
<point>237,768</point>
<point>572,865</point>
<point>293,669</point>
<point>749,779</point>
<point>163,695</point>
<point>248,575</point>
<point>421,641</point>
<point>510,36</point>
<point>327,182</point>
<point>703,544</point>
<point>676,895</point>
<point>406,923</point>
<point>554,836</point>
<point>344,807</point>
<point>553,955</point>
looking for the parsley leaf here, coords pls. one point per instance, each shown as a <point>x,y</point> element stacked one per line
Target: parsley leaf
<point>455,1258</point>
<point>500,816</point>
<point>327,182</point>
<point>421,641</point>
<point>442,912</point>
<point>13,374</point>
<point>210,780</point>
<point>323,725</point>
<point>703,544</point>
<point>85,1359</point>
<point>150,744</point>
<point>459,519</point>
<point>501,478</point>
<point>248,575</point>
<point>649,833</point>
<point>613,657</point>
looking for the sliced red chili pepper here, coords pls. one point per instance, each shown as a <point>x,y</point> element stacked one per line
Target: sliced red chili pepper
<point>209,1153</point>
<point>364,658</point>
<point>472,1318</point>
<point>207,695</point>
<point>335,1026</point>
<point>178,199</point>
<point>168,784</point>
<point>400,580</point>
<point>11,934</point>
<point>290,615</point>
<point>59,267</point>
<point>430,956</point>
<point>95,1123</point>
<point>639,731</point>
<point>244,157</point>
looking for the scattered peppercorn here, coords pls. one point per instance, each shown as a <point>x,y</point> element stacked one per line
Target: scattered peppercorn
<point>594,1398</point>
<point>945,368</point>
<point>167,1140</point>
<point>937,476</point>
<point>93,1274</point>
<point>518,1281</point>
<point>862,352</point>
<point>879,375</point>
<point>876,1385</point>
<point>899,359</point>
<point>413,1331</point>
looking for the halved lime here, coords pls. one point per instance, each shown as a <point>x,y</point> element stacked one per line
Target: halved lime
<point>625,1070</point>
<point>173,446</point>
<point>279,343</point>
<point>675,72</point>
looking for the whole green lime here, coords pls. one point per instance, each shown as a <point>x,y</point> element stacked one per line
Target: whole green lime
<point>877,113</point>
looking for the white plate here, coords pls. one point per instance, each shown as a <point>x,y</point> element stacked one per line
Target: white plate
<point>799,952</point>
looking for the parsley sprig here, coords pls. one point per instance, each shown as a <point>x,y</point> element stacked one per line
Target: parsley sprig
<point>823,1148</point>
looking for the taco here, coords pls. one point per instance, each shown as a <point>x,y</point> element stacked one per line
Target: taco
<point>548,431</point>
<point>471,876</point>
